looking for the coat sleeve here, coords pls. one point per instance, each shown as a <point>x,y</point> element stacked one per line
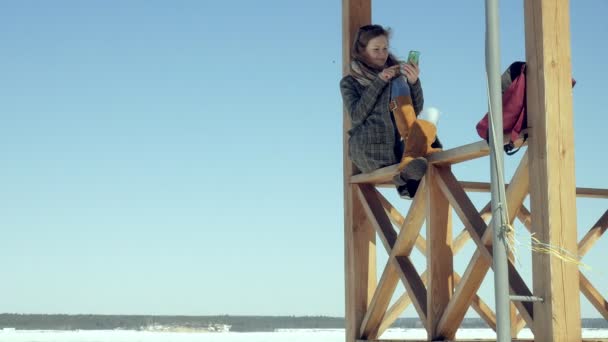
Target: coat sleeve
<point>360,105</point>
<point>417,96</point>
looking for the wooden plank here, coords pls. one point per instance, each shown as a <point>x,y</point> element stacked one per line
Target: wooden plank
<point>525,217</point>
<point>393,213</point>
<point>421,244</point>
<point>460,240</point>
<point>593,235</point>
<point>518,325</point>
<point>468,214</point>
<point>447,157</point>
<point>439,255</point>
<point>414,285</point>
<point>380,301</point>
<point>463,295</point>
<point>588,290</point>
<point>398,307</point>
<point>480,307</point>
<point>412,224</point>
<point>551,148</point>
<point>594,296</point>
<point>403,245</point>
<point>404,301</point>
<point>460,154</point>
<point>478,267</point>
<point>580,192</point>
<point>464,236</point>
<point>398,220</point>
<point>360,265</point>
<point>359,237</point>
<point>591,193</point>
<point>377,216</point>
<point>381,176</point>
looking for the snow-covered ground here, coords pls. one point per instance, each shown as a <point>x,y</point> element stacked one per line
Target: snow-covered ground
<point>298,335</point>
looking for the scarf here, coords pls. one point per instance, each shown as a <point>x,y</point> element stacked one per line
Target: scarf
<point>363,73</point>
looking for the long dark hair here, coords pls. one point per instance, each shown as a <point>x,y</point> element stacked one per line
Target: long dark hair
<point>362,38</point>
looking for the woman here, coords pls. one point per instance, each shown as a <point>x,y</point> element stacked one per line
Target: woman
<point>383,99</point>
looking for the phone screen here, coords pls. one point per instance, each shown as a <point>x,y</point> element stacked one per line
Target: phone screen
<point>413,57</point>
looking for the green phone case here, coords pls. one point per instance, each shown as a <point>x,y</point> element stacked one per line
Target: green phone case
<point>413,57</point>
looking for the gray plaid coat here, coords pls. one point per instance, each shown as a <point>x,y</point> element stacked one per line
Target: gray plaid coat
<point>374,141</point>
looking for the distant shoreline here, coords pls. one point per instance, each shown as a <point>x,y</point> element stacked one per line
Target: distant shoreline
<point>205,324</point>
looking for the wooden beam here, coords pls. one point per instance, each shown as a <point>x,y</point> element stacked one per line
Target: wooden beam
<point>360,264</point>
<point>404,301</point>
<point>598,229</point>
<point>588,290</point>
<point>398,220</point>
<point>479,265</point>
<point>403,245</point>
<point>580,192</point>
<point>460,154</point>
<point>463,295</point>
<point>480,307</point>
<point>465,209</point>
<point>414,285</point>
<point>464,236</point>
<point>359,237</point>
<point>398,307</point>
<point>591,193</point>
<point>405,268</point>
<point>517,325</point>
<point>412,224</point>
<point>380,301</point>
<point>447,157</point>
<point>594,296</point>
<point>439,256</point>
<point>374,210</point>
<point>551,148</point>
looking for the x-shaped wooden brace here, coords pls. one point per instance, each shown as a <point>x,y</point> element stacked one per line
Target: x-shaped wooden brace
<point>586,243</point>
<point>399,265</point>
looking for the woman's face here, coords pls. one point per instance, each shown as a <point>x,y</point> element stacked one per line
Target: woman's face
<point>376,51</point>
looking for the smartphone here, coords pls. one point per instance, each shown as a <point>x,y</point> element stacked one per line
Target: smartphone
<point>413,57</point>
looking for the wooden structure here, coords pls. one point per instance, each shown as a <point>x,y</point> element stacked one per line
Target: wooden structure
<point>441,296</point>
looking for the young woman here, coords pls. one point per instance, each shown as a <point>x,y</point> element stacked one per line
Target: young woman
<point>383,98</point>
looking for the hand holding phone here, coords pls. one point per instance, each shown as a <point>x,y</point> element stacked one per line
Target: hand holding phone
<point>410,68</point>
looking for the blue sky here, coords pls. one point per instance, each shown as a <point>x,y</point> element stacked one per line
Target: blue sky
<point>185,157</point>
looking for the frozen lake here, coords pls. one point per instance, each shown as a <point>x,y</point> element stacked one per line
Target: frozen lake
<point>300,335</point>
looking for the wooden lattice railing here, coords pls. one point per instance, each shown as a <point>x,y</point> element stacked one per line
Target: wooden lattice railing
<point>441,296</point>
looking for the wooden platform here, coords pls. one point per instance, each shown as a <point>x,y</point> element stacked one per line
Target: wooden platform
<point>440,296</point>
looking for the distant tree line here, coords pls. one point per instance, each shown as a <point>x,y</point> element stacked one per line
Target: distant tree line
<point>238,323</point>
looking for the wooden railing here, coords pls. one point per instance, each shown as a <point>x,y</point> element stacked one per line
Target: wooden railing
<point>441,296</point>
<point>546,172</point>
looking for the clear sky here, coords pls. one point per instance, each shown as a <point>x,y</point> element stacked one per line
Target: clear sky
<point>185,157</point>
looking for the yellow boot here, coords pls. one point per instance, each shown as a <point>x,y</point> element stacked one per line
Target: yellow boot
<point>405,116</point>
<point>413,165</point>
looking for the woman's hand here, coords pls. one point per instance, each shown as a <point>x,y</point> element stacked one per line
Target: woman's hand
<point>389,73</point>
<point>411,71</point>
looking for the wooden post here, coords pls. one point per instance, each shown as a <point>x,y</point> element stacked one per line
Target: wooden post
<point>551,148</point>
<point>359,236</point>
<point>439,255</point>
